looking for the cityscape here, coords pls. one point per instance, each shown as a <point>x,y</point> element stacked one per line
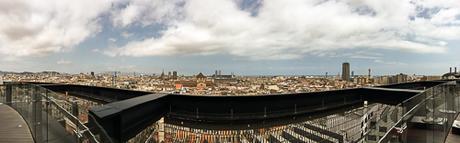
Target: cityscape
<point>230,71</point>
<point>330,128</point>
<point>223,84</point>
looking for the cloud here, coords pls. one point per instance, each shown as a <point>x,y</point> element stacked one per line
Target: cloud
<point>35,27</point>
<point>145,12</point>
<point>112,40</point>
<point>253,29</point>
<point>389,62</point>
<point>290,29</point>
<point>64,62</point>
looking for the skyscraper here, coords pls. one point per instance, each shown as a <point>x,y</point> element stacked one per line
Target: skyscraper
<point>346,71</point>
<point>174,76</point>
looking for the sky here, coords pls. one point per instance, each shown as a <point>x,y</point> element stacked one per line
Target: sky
<point>247,37</point>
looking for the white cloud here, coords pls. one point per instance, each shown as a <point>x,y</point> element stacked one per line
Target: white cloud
<point>36,27</point>
<point>64,62</point>
<point>280,30</point>
<point>145,12</point>
<point>112,40</point>
<point>389,62</point>
<point>290,29</point>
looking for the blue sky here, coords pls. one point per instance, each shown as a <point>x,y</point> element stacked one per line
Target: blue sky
<point>247,37</point>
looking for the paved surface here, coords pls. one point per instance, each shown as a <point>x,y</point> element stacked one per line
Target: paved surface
<point>13,128</point>
<point>453,138</point>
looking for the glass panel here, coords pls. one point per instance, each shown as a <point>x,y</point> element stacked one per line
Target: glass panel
<point>48,114</point>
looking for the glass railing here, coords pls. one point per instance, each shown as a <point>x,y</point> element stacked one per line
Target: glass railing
<point>51,117</point>
<point>424,118</point>
<point>349,125</point>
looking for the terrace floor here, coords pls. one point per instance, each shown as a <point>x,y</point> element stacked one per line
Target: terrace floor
<point>13,128</point>
<point>453,138</point>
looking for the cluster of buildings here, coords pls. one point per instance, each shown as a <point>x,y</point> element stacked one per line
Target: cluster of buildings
<point>382,80</point>
<point>220,83</point>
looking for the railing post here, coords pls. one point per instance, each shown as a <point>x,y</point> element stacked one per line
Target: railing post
<point>37,112</point>
<point>75,109</point>
<point>8,94</point>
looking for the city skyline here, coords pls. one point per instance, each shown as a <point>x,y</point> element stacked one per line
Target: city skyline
<point>247,37</point>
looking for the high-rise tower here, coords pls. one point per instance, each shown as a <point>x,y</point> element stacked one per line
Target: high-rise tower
<point>174,74</point>
<point>346,71</point>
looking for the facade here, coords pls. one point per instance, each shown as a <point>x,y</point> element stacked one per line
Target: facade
<point>361,80</point>
<point>429,78</point>
<point>399,78</point>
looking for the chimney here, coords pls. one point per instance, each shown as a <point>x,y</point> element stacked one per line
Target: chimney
<point>450,70</point>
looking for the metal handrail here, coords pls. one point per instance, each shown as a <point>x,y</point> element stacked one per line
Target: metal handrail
<point>416,107</point>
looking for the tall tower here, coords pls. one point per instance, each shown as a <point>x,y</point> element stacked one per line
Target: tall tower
<point>346,71</point>
<point>162,76</point>
<point>174,76</point>
<point>114,79</point>
<point>369,74</point>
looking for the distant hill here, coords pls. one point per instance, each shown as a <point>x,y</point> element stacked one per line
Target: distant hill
<point>26,72</point>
